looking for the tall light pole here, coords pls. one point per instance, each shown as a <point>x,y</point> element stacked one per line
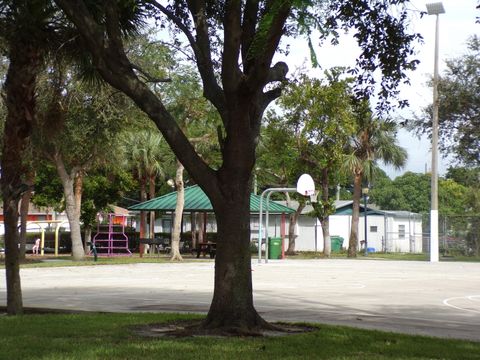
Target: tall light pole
<point>434,9</point>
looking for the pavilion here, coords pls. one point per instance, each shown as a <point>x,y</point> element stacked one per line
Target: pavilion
<point>196,201</point>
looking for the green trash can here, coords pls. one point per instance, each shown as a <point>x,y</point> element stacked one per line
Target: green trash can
<point>274,248</point>
<point>336,243</point>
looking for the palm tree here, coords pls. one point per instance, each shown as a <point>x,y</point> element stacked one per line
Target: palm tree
<point>27,30</point>
<point>147,156</point>
<point>30,32</point>
<point>197,120</point>
<point>375,139</point>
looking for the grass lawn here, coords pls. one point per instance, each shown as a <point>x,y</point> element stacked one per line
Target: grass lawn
<point>383,256</point>
<point>110,336</point>
<point>65,260</point>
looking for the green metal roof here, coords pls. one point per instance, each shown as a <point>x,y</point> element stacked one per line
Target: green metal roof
<point>348,210</point>
<point>197,201</point>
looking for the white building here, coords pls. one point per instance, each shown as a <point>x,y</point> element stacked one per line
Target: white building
<point>390,231</point>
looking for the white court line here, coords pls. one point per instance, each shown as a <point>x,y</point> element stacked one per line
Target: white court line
<point>471,298</point>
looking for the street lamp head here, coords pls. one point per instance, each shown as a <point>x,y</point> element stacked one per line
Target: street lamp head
<point>435,8</point>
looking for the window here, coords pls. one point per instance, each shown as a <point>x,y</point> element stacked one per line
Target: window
<point>401,231</point>
<point>166,225</point>
<point>373,229</point>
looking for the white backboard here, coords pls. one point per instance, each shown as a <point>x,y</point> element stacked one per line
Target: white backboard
<point>305,185</point>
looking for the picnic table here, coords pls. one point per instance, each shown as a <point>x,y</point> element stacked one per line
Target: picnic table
<point>206,248</point>
<point>159,244</point>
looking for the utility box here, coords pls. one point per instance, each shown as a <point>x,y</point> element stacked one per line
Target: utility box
<point>275,248</point>
<point>336,243</point>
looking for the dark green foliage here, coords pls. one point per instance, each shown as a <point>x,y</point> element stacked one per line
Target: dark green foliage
<point>469,177</point>
<point>411,192</point>
<point>385,44</point>
<point>48,190</point>
<point>101,189</point>
<point>459,107</point>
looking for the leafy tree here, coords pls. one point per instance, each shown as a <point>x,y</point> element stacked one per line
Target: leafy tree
<point>233,44</point>
<point>24,28</point>
<point>374,140</point>
<point>147,154</point>
<point>197,120</point>
<point>74,131</point>
<point>278,164</point>
<point>102,188</point>
<point>453,197</point>
<point>473,229</point>
<point>469,177</point>
<point>48,187</point>
<point>459,107</point>
<point>180,88</point>
<point>318,115</point>
<point>30,30</point>
<point>409,192</point>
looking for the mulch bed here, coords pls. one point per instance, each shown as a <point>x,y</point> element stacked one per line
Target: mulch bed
<point>192,328</point>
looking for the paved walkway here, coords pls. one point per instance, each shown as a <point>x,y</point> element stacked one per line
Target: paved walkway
<point>437,299</point>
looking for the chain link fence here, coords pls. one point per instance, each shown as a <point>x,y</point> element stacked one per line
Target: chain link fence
<point>457,234</point>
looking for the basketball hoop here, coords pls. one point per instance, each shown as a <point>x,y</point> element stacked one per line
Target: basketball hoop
<point>313,197</point>
<point>305,185</point>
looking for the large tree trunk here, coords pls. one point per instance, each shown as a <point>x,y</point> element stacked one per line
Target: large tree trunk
<point>151,195</point>
<point>232,305</point>
<point>327,245</point>
<point>325,221</point>
<point>177,221</point>
<point>72,190</point>
<point>24,207</point>
<point>200,225</point>
<point>241,101</point>
<point>291,229</point>
<point>357,192</point>
<point>25,62</point>
<point>87,235</point>
<point>193,228</point>
<point>143,217</point>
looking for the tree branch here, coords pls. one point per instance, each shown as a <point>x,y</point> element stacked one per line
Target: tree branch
<point>261,61</point>
<point>270,96</point>
<point>148,77</point>
<point>120,74</point>
<point>278,72</point>
<point>201,49</point>
<point>248,29</point>
<point>231,73</point>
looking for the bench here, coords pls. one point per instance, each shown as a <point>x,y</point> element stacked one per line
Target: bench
<point>206,248</point>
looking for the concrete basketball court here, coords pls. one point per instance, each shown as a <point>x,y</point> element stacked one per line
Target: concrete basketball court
<point>437,299</point>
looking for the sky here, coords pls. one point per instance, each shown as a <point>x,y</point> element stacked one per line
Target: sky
<point>456,25</point>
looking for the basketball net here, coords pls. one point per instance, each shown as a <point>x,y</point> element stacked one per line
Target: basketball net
<point>313,195</point>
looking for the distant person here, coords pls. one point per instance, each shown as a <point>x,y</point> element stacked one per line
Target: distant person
<point>36,247</point>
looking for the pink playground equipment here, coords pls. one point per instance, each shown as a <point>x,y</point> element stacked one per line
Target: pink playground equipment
<point>110,239</point>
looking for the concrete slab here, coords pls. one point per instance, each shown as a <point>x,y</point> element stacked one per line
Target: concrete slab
<point>436,299</point>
